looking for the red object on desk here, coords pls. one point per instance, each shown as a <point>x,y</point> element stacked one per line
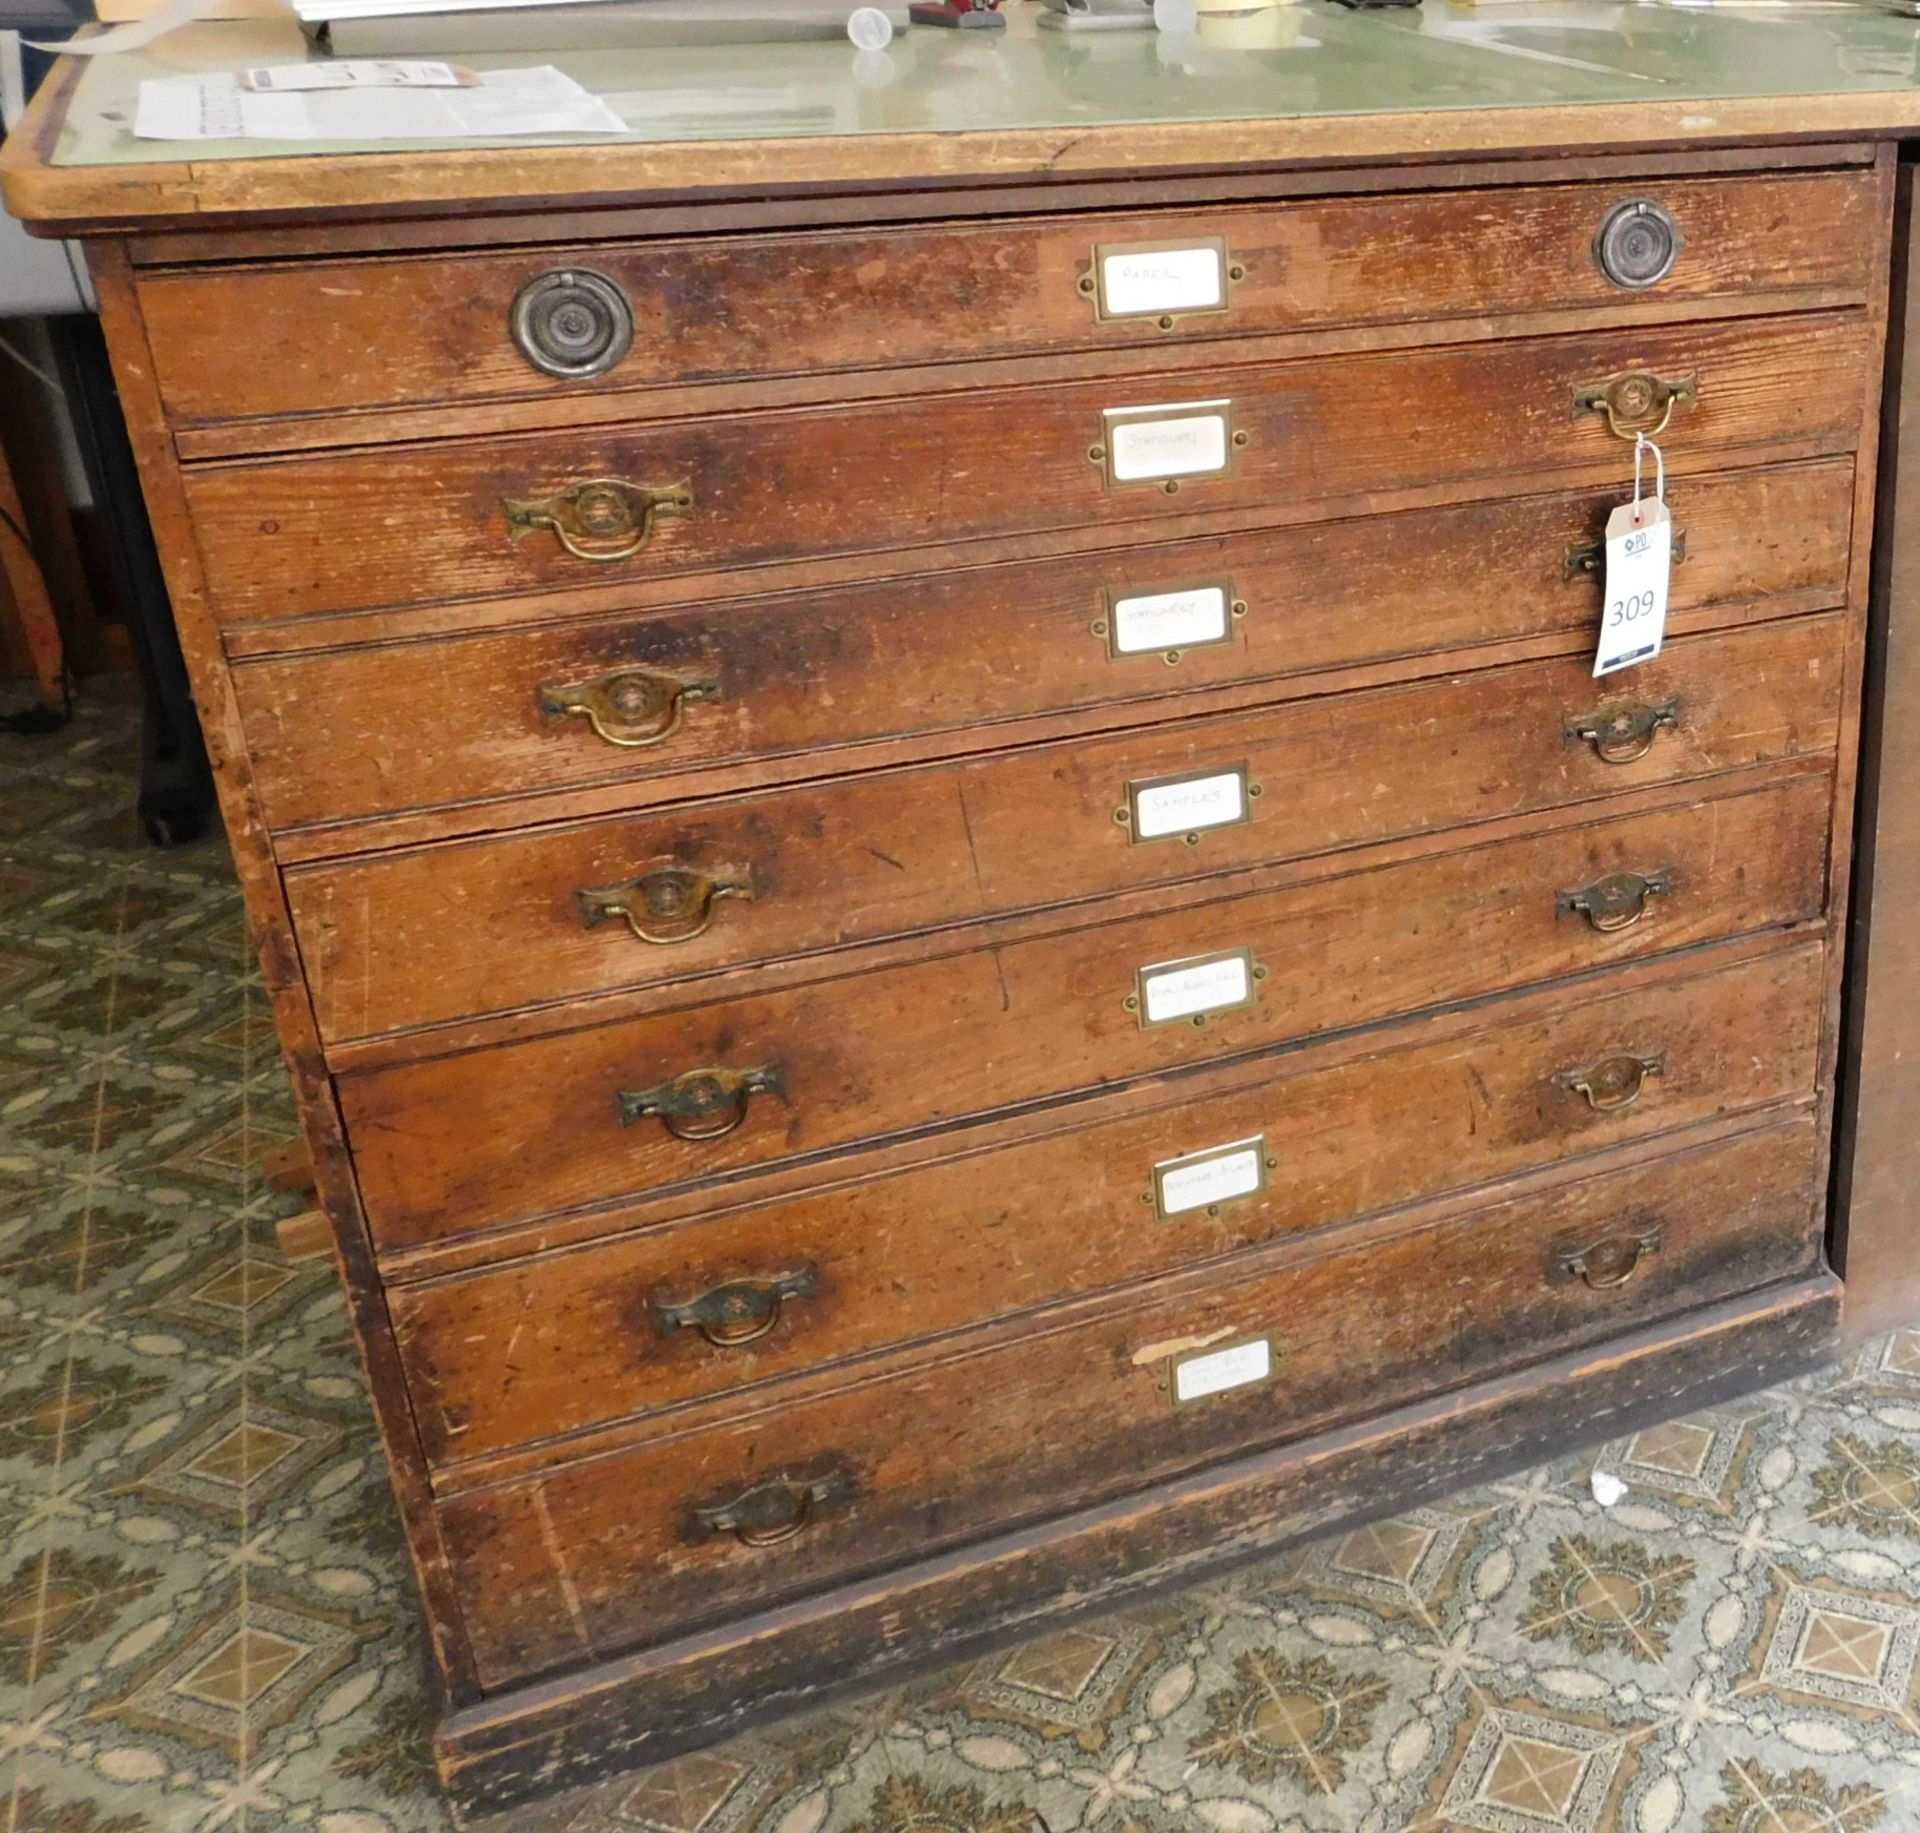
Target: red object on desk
<point>964,13</point>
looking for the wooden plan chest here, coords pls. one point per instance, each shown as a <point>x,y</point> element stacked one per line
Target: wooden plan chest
<point>933,974</point>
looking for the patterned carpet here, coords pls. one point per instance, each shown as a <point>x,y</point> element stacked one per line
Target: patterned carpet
<point>206,1622</point>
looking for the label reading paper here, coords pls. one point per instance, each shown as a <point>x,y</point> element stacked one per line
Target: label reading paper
<point>1143,281</point>
<point>1195,1377</point>
<point>1149,444</point>
<point>1169,620</point>
<point>1638,568</point>
<point>1202,1180</point>
<point>1183,989</point>
<point>1187,804</point>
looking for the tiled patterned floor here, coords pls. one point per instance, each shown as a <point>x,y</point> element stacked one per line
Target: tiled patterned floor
<point>205,1620</point>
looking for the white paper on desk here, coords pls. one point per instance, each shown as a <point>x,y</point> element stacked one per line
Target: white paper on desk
<point>505,102</point>
<point>356,73</point>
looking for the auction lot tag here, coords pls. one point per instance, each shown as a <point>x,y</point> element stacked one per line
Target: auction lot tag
<point>1636,573</point>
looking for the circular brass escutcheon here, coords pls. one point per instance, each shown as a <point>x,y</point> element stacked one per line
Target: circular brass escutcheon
<point>1637,245</point>
<point>573,323</point>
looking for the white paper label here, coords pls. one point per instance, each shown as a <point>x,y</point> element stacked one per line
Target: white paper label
<point>1206,986</point>
<point>1211,1177</point>
<point>1638,568</point>
<point>1182,445</point>
<point>353,73</point>
<point>1199,1376</point>
<point>1169,620</point>
<point>1188,804</point>
<point>1162,280</point>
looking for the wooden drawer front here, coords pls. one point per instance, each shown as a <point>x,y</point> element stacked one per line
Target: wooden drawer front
<point>341,734</point>
<point>533,917</point>
<point>249,342</point>
<point>296,537</point>
<point>461,1142</point>
<point>594,1555</point>
<point>618,1329</point>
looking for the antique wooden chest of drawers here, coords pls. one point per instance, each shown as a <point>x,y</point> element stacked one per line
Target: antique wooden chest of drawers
<point>936,972</point>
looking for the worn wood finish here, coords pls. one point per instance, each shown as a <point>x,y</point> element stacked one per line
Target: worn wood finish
<point>375,333</point>
<point>898,551</point>
<point>566,1341</point>
<point>392,526</point>
<point>176,245</point>
<point>272,935</point>
<point>1455,1025</point>
<point>945,660</point>
<point>251,193</point>
<point>646,1707</point>
<point>594,1556</point>
<point>898,851</point>
<point>488,1136</point>
<point>1878,1242</point>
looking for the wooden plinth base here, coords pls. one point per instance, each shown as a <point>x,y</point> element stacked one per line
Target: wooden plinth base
<point>654,1704</point>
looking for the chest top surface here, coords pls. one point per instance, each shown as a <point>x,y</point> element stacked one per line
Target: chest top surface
<point>943,107</point>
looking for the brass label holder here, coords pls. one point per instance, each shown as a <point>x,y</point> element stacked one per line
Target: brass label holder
<point>1211,1179</point>
<point>1219,1370</point>
<point>1206,976</point>
<point>1151,800</point>
<point>1166,446</point>
<point>1096,281</point>
<point>1172,639</point>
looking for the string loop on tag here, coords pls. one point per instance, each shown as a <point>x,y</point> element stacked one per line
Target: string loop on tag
<point>1641,446</point>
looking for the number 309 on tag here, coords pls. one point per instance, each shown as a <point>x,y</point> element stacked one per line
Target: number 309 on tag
<point>1638,566</point>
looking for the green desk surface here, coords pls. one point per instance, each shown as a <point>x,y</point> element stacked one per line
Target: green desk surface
<point>1446,78</point>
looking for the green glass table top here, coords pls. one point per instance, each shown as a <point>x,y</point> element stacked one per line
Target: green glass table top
<point>1324,62</point>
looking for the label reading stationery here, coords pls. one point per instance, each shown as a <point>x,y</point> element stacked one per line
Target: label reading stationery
<point>1169,620</point>
<point>1183,989</point>
<point>1148,280</point>
<point>1637,572</point>
<point>1188,804</point>
<point>1202,1180</point>
<point>1147,444</point>
<point>1195,1377</point>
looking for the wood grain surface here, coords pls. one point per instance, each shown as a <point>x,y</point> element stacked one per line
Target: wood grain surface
<point>251,343</point>
<point>488,1136</point>
<point>589,1557</point>
<point>865,857</point>
<point>955,660</point>
<point>560,1342</point>
<point>391,526</point>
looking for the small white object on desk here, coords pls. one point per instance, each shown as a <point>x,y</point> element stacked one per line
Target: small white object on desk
<point>869,28</point>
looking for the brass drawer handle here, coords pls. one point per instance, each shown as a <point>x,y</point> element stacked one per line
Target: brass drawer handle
<point>1622,731</point>
<point>603,520</point>
<point>774,1509</point>
<point>699,1103</point>
<point>661,907</point>
<point>1607,1264</point>
<point>740,1312</point>
<point>632,708</point>
<point>1631,402</point>
<point>1614,1083</point>
<point>1586,562</point>
<point>1617,901</point>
